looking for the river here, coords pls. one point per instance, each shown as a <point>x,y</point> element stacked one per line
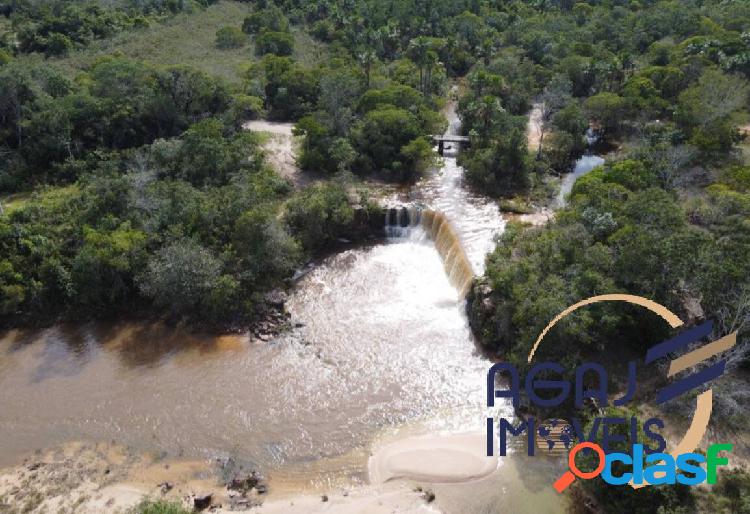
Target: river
<point>383,351</point>
<point>583,165</point>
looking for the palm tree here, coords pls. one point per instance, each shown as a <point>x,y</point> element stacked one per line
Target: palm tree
<point>366,58</point>
<point>487,108</point>
<point>431,60</point>
<point>418,52</point>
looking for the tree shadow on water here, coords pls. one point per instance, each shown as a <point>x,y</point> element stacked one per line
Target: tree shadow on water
<point>151,344</point>
<point>66,350</point>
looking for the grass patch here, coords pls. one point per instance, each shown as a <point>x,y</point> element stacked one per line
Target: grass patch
<point>189,39</point>
<point>744,147</point>
<point>515,206</point>
<point>49,198</point>
<point>15,201</point>
<point>158,507</point>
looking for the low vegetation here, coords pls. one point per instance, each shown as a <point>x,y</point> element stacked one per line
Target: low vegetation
<point>158,507</point>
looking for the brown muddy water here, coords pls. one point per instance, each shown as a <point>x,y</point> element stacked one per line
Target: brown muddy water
<point>384,346</point>
<point>385,342</point>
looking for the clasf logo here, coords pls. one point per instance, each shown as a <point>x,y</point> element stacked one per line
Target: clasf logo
<point>661,468</point>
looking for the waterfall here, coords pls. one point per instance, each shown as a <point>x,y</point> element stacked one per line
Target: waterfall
<point>413,222</point>
<point>401,221</point>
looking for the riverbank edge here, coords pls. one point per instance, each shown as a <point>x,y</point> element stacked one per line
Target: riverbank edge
<point>269,319</point>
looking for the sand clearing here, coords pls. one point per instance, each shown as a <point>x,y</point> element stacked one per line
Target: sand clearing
<point>534,128</point>
<point>388,499</point>
<point>442,458</point>
<point>540,217</point>
<point>279,147</point>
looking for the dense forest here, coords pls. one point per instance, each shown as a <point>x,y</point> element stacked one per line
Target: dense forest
<point>129,185</point>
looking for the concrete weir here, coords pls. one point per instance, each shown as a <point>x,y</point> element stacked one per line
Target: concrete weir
<point>412,221</point>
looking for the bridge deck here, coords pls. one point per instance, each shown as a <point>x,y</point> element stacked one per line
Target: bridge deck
<point>451,139</point>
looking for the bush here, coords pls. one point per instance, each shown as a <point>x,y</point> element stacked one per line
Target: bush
<point>277,43</point>
<point>500,169</point>
<point>291,91</point>
<point>323,30</point>
<point>319,215</point>
<point>608,109</point>
<point>387,140</point>
<point>158,507</point>
<point>731,494</point>
<point>181,276</point>
<point>59,45</point>
<point>271,19</point>
<point>230,37</point>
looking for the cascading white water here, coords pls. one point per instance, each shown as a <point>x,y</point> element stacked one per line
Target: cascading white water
<point>474,220</point>
<point>416,224</point>
<point>402,221</point>
<point>384,344</point>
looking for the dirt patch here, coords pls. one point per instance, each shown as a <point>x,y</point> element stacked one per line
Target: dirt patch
<point>538,218</point>
<point>534,128</point>
<point>280,147</point>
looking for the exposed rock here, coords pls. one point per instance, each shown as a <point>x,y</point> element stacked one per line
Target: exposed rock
<point>324,498</point>
<point>202,502</point>
<point>366,224</point>
<point>692,309</point>
<point>277,297</point>
<point>245,483</point>
<point>242,503</point>
<point>428,496</point>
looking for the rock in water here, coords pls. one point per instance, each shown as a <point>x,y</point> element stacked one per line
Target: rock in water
<point>244,483</point>
<point>202,502</point>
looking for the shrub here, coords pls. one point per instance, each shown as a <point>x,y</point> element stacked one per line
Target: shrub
<point>181,276</point>
<point>158,507</point>
<point>386,138</point>
<point>230,37</point>
<point>277,43</point>
<point>271,19</point>
<point>319,214</point>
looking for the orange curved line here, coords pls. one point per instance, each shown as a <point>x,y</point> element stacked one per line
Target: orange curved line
<point>704,401</point>
<point>654,307</point>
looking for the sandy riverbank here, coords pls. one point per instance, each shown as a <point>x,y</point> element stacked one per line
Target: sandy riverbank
<point>90,478</point>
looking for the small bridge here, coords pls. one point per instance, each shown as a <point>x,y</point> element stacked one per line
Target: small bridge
<point>456,141</point>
